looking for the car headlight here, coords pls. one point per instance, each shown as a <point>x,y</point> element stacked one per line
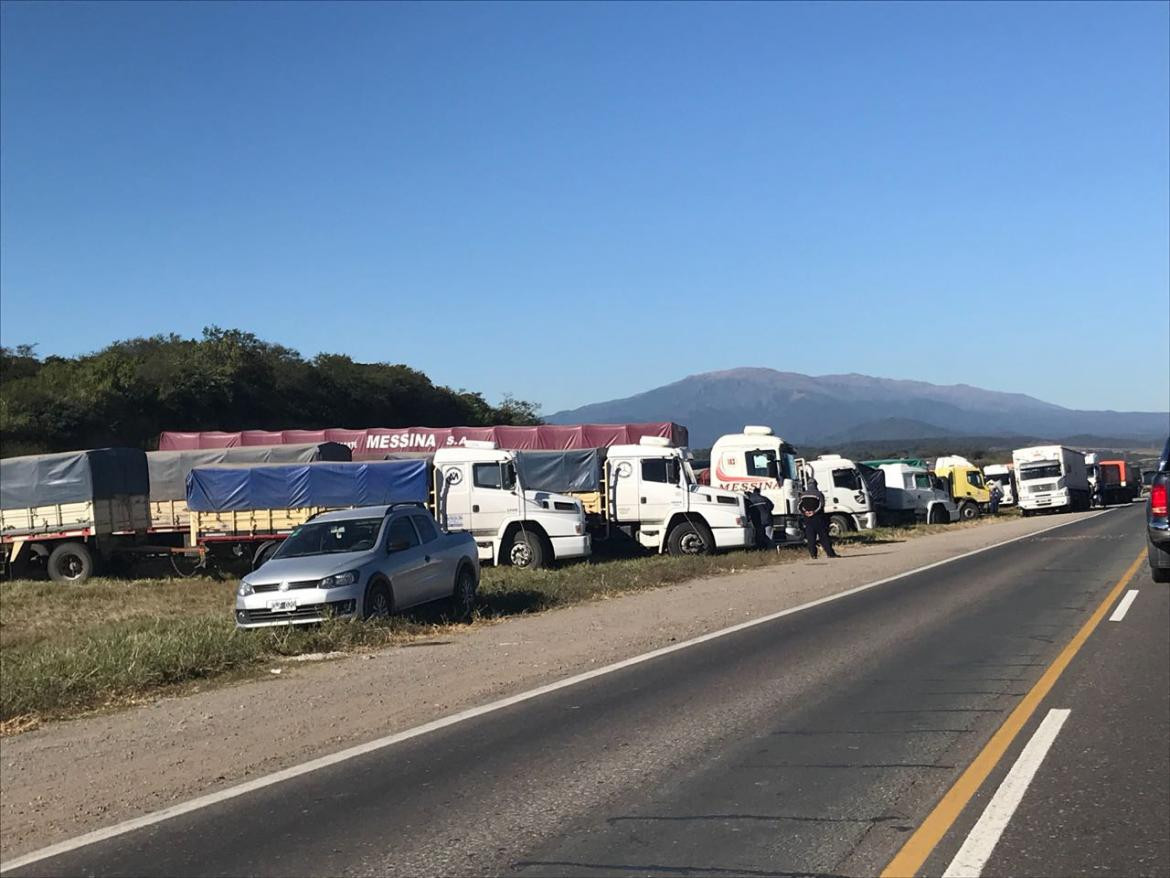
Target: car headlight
<point>245,588</point>
<point>349,577</point>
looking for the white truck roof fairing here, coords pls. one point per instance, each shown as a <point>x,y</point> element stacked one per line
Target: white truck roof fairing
<point>1038,452</point>
<point>953,460</point>
<point>997,469</point>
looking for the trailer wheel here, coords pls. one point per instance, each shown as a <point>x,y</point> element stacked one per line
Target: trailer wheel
<point>70,562</point>
<point>690,538</point>
<point>838,525</point>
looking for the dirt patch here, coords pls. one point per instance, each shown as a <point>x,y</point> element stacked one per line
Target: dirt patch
<point>155,755</point>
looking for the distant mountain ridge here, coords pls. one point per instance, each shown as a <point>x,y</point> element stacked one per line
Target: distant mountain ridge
<point>835,408</point>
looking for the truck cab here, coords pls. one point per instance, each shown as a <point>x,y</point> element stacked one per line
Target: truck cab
<point>758,460</point>
<point>1005,478</point>
<point>477,489</point>
<point>966,485</point>
<point>1052,477</point>
<point>652,494</point>
<point>847,499</point>
<point>911,493</point>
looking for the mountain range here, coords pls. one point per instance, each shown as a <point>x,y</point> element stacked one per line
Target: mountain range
<point>842,408</point>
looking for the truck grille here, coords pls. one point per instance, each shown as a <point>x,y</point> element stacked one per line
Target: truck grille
<point>1041,489</point>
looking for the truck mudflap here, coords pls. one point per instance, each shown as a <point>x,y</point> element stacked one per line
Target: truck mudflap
<point>568,547</point>
<point>733,537</point>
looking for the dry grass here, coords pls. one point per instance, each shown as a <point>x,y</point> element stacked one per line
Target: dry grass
<point>66,650</point>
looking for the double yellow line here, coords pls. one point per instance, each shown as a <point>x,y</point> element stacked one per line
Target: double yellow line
<point>914,853</point>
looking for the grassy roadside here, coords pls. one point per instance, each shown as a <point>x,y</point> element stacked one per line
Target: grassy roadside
<point>68,650</point>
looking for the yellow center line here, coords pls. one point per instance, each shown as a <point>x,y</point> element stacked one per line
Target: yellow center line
<point>910,859</point>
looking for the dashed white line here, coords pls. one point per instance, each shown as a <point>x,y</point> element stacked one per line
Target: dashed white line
<point>976,850</point>
<point>1123,605</point>
<point>321,762</point>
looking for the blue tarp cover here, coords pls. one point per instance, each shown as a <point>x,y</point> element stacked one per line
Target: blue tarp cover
<point>295,486</point>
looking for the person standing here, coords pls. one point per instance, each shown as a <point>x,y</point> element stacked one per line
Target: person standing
<point>814,520</point>
<point>995,495</point>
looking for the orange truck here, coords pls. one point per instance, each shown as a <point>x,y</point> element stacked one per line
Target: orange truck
<point>1115,482</point>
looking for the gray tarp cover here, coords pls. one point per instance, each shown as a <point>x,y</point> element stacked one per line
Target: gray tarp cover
<point>559,472</point>
<point>72,477</point>
<point>168,469</point>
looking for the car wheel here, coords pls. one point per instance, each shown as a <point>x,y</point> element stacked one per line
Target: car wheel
<point>526,551</point>
<point>838,525</point>
<point>690,538</point>
<point>70,562</point>
<point>463,594</point>
<point>378,602</point>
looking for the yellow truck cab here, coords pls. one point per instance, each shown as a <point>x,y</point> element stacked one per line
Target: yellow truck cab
<point>967,487</point>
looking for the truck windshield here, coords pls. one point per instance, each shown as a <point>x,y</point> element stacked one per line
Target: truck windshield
<point>788,467</point>
<point>330,538</point>
<point>1048,469</point>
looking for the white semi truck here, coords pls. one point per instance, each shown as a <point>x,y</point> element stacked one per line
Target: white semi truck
<point>756,459</point>
<point>245,512</point>
<point>1051,477</point>
<point>847,500</point>
<point>913,495</point>
<point>1003,476</point>
<point>647,492</point>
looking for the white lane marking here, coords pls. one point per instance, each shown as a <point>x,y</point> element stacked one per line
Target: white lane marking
<point>976,850</point>
<point>380,743</point>
<point>1123,605</point>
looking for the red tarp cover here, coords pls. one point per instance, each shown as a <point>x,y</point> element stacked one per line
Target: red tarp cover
<point>374,443</point>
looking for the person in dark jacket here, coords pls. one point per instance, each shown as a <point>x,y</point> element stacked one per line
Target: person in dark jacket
<point>996,495</point>
<point>759,510</point>
<point>814,520</point>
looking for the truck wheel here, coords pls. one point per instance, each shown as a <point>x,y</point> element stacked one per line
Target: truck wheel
<point>70,562</point>
<point>690,538</point>
<point>838,525</point>
<point>968,511</point>
<point>526,551</point>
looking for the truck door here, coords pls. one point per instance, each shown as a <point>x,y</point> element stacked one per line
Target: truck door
<point>624,482</point>
<point>453,497</point>
<point>494,497</point>
<point>659,489</point>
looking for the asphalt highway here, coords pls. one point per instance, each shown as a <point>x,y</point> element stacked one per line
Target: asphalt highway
<point>814,744</point>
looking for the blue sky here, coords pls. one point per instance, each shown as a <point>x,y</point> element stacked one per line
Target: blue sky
<point>572,203</point>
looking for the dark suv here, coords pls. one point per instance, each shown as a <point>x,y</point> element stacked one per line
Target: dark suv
<point>1158,520</point>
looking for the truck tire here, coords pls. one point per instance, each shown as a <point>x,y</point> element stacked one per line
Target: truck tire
<point>937,515</point>
<point>690,538</point>
<point>968,511</point>
<point>70,562</point>
<point>839,525</point>
<point>526,551</point>
<point>263,553</point>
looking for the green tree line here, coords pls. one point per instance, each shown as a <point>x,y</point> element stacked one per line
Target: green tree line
<point>129,392</point>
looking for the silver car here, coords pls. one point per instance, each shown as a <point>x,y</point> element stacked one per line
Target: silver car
<point>362,563</point>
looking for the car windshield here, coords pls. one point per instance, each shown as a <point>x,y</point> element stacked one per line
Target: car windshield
<point>330,538</point>
<point>1048,469</point>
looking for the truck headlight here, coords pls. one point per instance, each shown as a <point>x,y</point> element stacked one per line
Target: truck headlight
<point>245,588</point>
<point>337,580</point>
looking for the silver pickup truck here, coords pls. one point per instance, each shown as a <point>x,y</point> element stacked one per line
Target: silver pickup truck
<point>360,563</point>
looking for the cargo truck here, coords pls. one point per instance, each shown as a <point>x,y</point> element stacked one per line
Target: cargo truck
<point>376,442</point>
<point>1005,478</point>
<point>848,502</point>
<point>913,493</point>
<point>244,513</point>
<point>965,483</point>
<point>756,459</point>
<point>168,475</point>
<point>646,492</point>
<point>73,510</point>
<point>1051,477</point>
<point>1115,482</point>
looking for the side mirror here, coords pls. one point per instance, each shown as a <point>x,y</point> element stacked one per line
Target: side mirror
<point>397,546</point>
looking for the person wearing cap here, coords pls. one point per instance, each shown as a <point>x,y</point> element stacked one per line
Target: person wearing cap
<point>814,520</point>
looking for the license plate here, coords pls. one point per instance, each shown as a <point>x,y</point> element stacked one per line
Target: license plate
<point>284,606</point>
